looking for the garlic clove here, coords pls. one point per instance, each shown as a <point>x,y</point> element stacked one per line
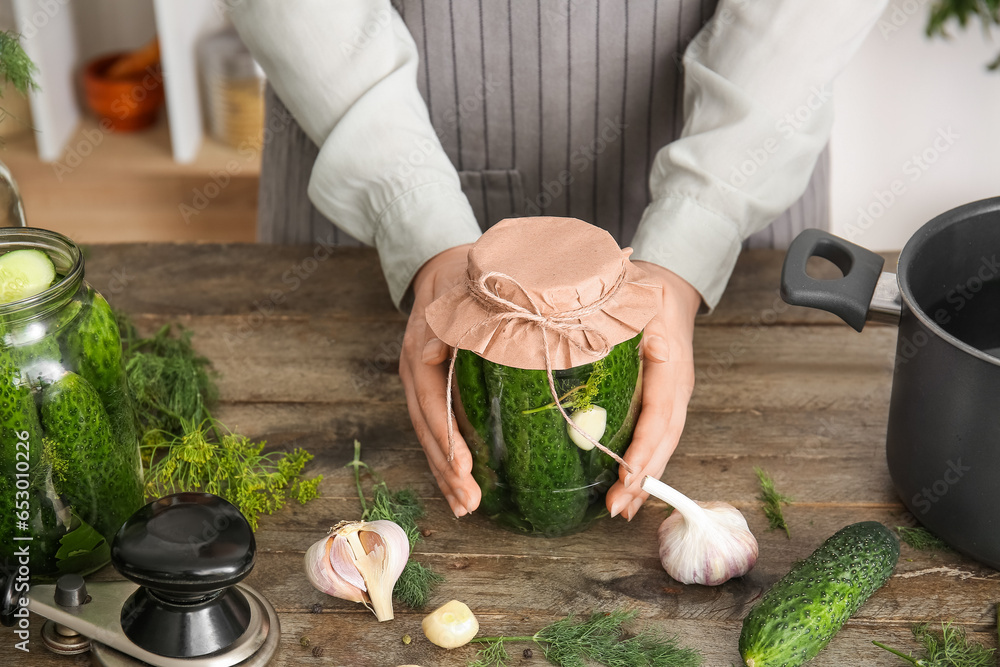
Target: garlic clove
<point>450,625</point>
<point>702,543</point>
<point>324,577</point>
<point>380,551</point>
<point>360,561</point>
<point>592,420</point>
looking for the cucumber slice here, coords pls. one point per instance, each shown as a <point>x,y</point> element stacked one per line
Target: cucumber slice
<point>24,273</point>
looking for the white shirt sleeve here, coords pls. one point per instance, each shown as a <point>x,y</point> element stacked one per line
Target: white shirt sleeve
<point>757,88</point>
<point>347,71</point>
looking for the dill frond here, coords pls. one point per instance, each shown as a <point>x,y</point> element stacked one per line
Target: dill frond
<point>183,448</point>
<point>771,501</point>
<point>950,648</point>
<point>600,639</point>
<point>921,539</point>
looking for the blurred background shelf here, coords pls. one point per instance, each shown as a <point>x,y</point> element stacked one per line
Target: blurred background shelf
<point>109,187</point>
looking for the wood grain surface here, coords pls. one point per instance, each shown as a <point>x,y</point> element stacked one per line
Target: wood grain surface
<point>306,343</point>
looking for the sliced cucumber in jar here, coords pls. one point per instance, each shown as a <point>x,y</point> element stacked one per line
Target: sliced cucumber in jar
<point>24,273</point>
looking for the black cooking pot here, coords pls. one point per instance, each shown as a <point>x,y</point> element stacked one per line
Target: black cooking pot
<point>943,439</point>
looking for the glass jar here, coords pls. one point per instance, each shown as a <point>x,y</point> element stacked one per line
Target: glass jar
<point>534,477</point>
<point>70,472</point>
<point>234,86</point>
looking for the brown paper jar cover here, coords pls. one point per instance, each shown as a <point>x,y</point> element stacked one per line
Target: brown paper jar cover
<point>547,266</point>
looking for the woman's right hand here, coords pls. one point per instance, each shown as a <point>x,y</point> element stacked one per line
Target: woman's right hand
<point>423,369</point>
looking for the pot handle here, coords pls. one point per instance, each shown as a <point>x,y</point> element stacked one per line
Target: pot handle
<point>863,293</point>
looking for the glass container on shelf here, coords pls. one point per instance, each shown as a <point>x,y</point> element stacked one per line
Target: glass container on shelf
<point>234,90</point>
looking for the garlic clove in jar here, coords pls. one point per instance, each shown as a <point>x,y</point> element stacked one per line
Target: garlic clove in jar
<point>360,561</point>
<point>702,543</point>
<point>592,420</point>
<point>450,625</point>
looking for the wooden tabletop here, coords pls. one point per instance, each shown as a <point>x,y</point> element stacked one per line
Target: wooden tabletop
<point>308,351</point>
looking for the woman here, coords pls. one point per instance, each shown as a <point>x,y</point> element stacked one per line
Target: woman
<point>437,118</point>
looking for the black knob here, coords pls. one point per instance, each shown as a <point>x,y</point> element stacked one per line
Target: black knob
<point>71,591</point>
<point>186,551</point>
<point>185,544</point>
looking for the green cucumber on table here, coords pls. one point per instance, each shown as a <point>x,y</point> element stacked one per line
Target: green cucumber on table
<point>801,613</point>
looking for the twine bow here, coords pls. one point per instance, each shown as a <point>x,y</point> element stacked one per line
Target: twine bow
<point>563,324</point>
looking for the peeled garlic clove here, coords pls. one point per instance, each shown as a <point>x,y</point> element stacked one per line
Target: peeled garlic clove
<point>702,543</point>
<point>450,625</point>
<point>360,557</point>
<point>593,421</point>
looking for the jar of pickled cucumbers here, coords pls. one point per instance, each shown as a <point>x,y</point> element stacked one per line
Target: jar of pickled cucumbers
<point>70,473</point>
<point>547,372</point>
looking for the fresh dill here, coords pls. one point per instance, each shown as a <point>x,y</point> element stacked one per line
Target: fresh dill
<point>413,588</point>
<point>172,383</point>
<point>771,501</point>
<point>921,539</point>
<point>950,648</point>
<point>600,639</point>
<point>184,448</point>
<point>208,459</point>
<point>582,396</point>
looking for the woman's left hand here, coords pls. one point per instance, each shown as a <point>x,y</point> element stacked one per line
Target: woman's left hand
<point>667,383</point>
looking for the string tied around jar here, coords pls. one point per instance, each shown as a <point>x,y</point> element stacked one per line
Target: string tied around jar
<point>560,323</point>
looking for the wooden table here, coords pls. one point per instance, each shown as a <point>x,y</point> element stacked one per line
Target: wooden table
<point>307,353</point>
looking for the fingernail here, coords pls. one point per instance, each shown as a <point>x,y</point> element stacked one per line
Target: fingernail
<point>618,506</point>
<point>434,352</point>
<point>656,348</point>
<point>628,479</point>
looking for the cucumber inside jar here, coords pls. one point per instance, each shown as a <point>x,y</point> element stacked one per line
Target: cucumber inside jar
<point>69,460</point>
<point>534,477</point>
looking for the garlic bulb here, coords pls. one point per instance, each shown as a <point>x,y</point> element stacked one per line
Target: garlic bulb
<point>593,421</point>
<point>451,625</point>
<point>360,561</point>
<point>702,543</point>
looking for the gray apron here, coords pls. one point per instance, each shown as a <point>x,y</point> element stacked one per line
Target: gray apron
<point>545,107</point>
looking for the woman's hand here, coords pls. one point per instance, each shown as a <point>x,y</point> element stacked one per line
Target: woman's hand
<point>423,369</point>
<point>667,383</point>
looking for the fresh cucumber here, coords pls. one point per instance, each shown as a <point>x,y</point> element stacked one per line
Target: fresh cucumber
<point>801,613</point>
<point>21,443</point>
<point>104,487</point>
<point>533,477</point>
<point>544,468</point>
<point>24,273</point>
<point>473,404</point>
<point>94,348</point>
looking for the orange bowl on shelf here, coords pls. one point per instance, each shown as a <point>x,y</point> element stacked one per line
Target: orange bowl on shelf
<point>127,103</point>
